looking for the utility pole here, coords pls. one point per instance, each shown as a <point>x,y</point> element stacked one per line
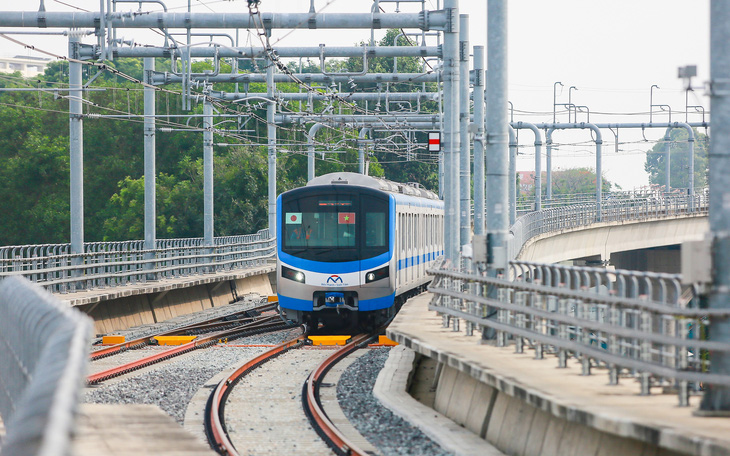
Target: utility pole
<point>76,146</point>
<point>497,137</point>
<point>451,128</point>
<point>208,171</point>
<point>479,140</point>
<point>150,207</point>
<point>716,400</point>
<point>465,153</point>
<point>271,135</point>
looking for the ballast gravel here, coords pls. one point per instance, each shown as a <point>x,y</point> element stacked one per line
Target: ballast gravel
<point>171,385</point>
<point>392,435</point>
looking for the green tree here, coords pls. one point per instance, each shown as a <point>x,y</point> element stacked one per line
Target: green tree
<point>576,180</point>
<point>655,164</point>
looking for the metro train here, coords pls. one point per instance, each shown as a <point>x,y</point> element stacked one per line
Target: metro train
<point>352,248</point>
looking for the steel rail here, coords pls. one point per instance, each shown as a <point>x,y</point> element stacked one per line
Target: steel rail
<point>268,323</point>
<point>147,340</point>
<point>214,412</point>
<point>313,407</point>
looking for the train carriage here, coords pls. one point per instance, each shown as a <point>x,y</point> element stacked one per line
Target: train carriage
<point>351,248</point>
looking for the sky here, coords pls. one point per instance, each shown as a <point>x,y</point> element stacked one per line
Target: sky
<point>612,52</point>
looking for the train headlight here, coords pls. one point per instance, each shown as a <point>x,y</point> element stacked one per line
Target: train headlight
<point>377,274</point>
<point>291,274</point>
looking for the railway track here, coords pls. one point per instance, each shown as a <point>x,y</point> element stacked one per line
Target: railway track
<point>217,429</point>
<point>249,325</point>
<point>213,324</point>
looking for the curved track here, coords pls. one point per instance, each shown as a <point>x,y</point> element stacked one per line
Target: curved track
<point>313,406</point>
<point>214,415</point>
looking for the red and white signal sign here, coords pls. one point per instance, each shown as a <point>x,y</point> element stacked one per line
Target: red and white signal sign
<point>434,141</point>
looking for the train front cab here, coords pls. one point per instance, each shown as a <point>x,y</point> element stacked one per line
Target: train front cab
<point>335,255</point>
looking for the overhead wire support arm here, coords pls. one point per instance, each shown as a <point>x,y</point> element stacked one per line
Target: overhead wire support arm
<point>425,20</point>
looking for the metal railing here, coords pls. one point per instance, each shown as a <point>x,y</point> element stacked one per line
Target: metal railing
<point>631,323</point>
<point>109,264</point>
<point>45,349</point>
<point>638,323</point>
<point>526,203</point>
<point>652,206</point>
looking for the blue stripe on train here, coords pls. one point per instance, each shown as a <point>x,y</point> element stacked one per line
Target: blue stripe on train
<point>364,305</point>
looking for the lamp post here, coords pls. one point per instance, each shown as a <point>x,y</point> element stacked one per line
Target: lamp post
<point>555,86</point>
<point>651,101</point>
<point>570,102</point>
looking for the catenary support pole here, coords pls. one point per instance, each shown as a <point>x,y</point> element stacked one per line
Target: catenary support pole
<point>150,207</point>
<point>464,151</point>
<point>717,398</point>
<point>538,160</point>
<point>271,134</point>
<point>310,153</point>
<point>512,176</point>
<point>497,136</point>
<point>549,163</point>
<point>479,140</point>
<point>668,158</point>
<point>208,172</point>
<point>76,147</point>
<point>451,141</point>
<point>361,149</point>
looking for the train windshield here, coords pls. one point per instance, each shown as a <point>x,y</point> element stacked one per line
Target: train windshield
<point>335,227</point>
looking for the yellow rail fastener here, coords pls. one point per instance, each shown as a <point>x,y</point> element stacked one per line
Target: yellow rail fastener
<point>112,340</point>
<point>174,340</point>
<point>384,340</point>
<point>273,298</point>
<point>329,340</point>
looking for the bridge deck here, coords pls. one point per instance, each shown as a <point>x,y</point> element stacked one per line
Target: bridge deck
<point>619,410</point>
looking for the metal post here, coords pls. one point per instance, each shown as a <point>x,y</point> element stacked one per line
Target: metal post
<point>667,168</point>
<point>451,138</point>
<point>599,169</point>
<point>150,208</point>
<point>464,155</point>
<point>479,140</point>
<point>361,149</point>
<point>207,172</point>
<point>549,164</point>
<point>310,154</point>
<point>717,398</point>
<point>76,147</point>
<point>271,133</point>
<point>497,136</point>
<point>512,175</point>
<point>538,160</point>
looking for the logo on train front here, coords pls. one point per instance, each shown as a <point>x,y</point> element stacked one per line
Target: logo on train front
<point>334,280</point>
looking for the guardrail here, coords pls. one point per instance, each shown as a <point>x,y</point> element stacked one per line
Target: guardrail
<point>652,207</point>
<point>45,348</point>
<point>630,323</point>
<point>526,203</point>
<point>109,264</point>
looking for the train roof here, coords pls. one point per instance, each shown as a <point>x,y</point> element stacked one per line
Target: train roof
<point>361,180</point>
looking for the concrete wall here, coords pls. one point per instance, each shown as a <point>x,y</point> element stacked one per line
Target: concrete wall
<point>604,239</point>
<point>114,313</point>
<point>517,428</point>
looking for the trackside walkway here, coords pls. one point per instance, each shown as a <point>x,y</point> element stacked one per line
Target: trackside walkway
<point>565,394</point>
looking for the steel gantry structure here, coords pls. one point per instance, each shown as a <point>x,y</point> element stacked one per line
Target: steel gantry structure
<point>492,137</point>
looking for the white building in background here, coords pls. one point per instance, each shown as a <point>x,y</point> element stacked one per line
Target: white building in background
<point>28,66</point>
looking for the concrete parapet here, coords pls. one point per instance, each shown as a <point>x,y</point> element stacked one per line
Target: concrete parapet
<point>115,309</point>
<point>390,390</point>
<point>531,407</point>
<point>605,238</point>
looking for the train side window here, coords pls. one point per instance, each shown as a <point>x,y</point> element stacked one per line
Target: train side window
<point>375,226</point>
